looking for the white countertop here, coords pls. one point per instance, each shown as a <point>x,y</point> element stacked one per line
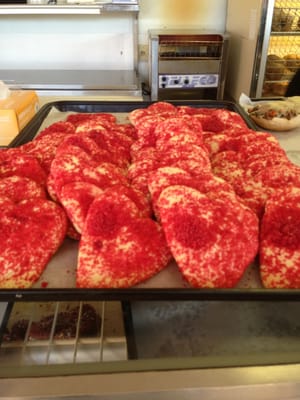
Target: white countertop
<point>290,142</point>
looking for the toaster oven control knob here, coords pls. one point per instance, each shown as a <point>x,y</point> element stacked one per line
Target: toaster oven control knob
<point>164,81</point>
<point>186,81</point>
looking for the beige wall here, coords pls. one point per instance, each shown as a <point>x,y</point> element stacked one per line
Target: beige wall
<point>198,14</point>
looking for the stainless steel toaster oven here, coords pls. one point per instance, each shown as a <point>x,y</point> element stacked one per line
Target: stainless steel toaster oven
<point>187,64</point>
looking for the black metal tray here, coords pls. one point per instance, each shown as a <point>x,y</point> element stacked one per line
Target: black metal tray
<point>136,293</point>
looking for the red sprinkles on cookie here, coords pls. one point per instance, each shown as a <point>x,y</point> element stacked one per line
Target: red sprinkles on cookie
<point>118,248</point>
<point>19,188</point>
<point>280,240</point>
<point>31,233</point>
<point>212,240</point>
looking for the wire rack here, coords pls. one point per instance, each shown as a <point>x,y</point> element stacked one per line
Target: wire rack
<point>105,340</point>
<point>286,16</point>
<point>284,46</point>
<point>283,58</point>
<point>190,47</point>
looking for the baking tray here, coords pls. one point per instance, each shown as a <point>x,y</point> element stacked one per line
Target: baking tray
<point>166,285</point>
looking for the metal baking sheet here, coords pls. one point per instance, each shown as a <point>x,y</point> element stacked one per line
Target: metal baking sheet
<point>58,282</point>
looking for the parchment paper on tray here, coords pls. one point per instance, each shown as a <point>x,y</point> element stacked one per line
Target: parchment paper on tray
<point>61,270</point>
<point>61,273</point>
<point>246,102</point>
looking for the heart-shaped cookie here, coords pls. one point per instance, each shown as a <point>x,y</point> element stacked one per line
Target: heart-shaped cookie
<point>118,248</point>
<point>31,231</point>
<point>79,166</point>
<point>163,177</point>
<point>280,240</point>
<point>76,198</point>
<point>213,240</point>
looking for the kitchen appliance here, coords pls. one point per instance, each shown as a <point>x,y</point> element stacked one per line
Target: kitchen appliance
<point>264,47</point>
<point>187,64</point>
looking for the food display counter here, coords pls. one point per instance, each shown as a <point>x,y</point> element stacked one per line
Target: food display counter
<point>154,341</point>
